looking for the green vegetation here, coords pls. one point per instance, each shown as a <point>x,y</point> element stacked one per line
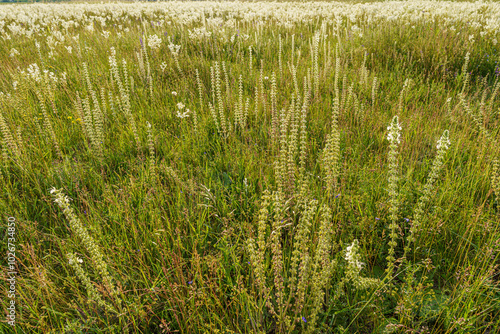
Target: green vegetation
<point>186,174</point>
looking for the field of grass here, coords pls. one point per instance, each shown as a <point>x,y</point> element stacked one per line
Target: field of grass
<point>250,167</point>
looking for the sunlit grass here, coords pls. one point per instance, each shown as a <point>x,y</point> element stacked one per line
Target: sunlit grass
<point>230,172</point>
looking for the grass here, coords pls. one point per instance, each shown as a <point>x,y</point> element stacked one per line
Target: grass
<point>293,219</point>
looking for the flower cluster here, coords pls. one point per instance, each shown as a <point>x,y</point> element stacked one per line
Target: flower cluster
<point>75,260</point>
<point>394,138</point>
<point>29,20</point>
<point>394,135</point>
<point>199,33</point>
<point>63,202</point>
<point>443,142</point>
<point>354,266</point>
<point>154,42</point>
<point>180,107</point>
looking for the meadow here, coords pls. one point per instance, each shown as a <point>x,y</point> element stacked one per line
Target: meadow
<point>250,167</point>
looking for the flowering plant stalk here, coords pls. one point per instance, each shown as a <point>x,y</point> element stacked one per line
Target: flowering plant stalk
<point>394,139</point>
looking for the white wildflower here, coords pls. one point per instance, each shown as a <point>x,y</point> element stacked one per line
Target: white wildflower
<point>444,141</point>
<point>394,128</point>
<point>352,256</point>
<point>184,114</point>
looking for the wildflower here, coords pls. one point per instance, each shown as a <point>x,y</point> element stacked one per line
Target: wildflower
<point>174,49</point>
<point>184,114</point>
<point>442,146</point>
<point>174,93</point>
<point>154,42</point>
<point>304,319</point>
<point>394,128</point>
<point>352,257</point>
<point>443,142</point>
<point>72,260</point>
<point>14,52</point>
<point>180,105</point>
